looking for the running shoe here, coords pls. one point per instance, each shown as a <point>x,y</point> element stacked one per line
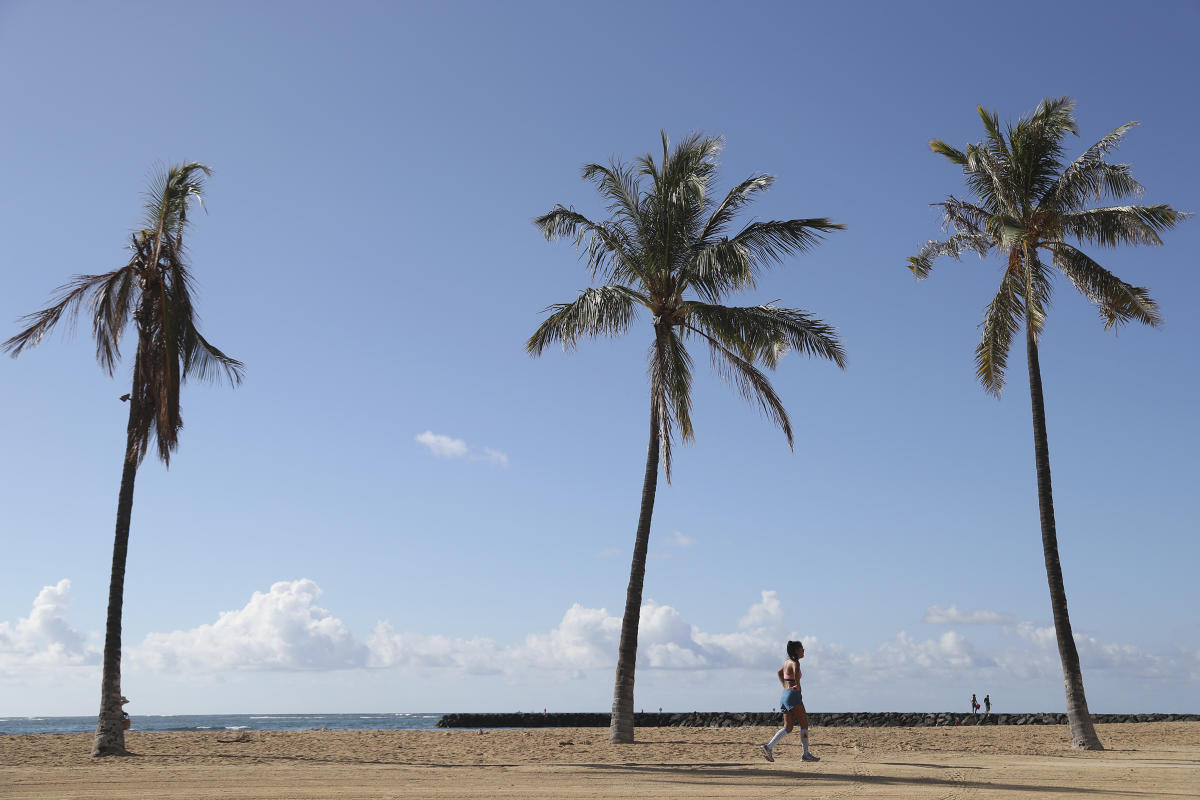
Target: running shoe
<point>766,753</point>
<point>809,757</point>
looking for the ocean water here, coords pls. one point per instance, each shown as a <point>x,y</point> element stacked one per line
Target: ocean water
<point>229,722</point>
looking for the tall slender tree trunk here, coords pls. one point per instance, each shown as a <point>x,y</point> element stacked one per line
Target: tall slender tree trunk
<point>621,725</point>
<point>110,730</point>
<point>1083,733</point>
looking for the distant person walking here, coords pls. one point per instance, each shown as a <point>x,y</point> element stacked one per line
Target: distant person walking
<point>987,704</point>
<point>791,704</point>
<point>974,705</point>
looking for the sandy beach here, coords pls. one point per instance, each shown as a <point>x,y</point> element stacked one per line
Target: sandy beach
<point>1159,760</point>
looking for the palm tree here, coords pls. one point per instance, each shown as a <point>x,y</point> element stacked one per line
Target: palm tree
<point>153,290</point>
<point>1029,203</point>
<point>658,247</point>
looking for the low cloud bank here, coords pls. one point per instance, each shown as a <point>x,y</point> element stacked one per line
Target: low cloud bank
<point>286,629</point>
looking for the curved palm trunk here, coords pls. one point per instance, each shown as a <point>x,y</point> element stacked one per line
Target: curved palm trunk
<point>1083,733</point>
<point>621,725</point>
<point>110,732</point>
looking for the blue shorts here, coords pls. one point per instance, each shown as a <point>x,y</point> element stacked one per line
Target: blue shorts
<point>790,699</point>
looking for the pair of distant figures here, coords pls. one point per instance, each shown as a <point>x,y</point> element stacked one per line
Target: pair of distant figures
<point>987,705</point>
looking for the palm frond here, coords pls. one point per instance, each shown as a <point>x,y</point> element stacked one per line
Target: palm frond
<point>1113,225</point>
<point>1117,301</point>
<point>767,332</point>
<point>1001,321</point>
<point>963,217</point>
<point>608,246</point>
<point>737,198</point>
<point>1037,294</point>
<point>769,242</point>
<point>604,310</point>
<point>750,383</point>
<point>670,373</point>
<point>1088,176</point>
<point>922,263</point>
<point>955,155</point>
<point>619,184</point>
<point>39,323</point>
<point>112,306</point>
<point>1089,182</point>
<point>170,193</point>
<point>989,176</point>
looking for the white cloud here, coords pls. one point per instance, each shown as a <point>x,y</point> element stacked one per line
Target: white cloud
<point>936,615</point>
<point>585,638</point>
<point>766,613</point>
<point>44,638</point>
<point>679,539</point>
<point>386,648</point>
<point>443,446</point>
<point>448,447</point>
<point>282,629</point>
<point>495,457</point>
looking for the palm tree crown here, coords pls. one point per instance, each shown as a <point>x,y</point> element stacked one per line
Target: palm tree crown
<point>666,249</point>
<point>153,290</point>
<point>1030,201</point>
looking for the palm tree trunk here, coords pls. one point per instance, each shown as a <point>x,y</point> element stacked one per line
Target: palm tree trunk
<point>1083,733</point>
<point>110,731</point>
<point>621,725</point>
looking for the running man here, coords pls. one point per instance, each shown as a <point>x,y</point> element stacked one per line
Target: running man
<point>792,705</point>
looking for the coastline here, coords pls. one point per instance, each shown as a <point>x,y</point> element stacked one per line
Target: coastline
<point>817,719</point>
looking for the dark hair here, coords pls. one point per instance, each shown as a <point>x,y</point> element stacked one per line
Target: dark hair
<point>792,647</point>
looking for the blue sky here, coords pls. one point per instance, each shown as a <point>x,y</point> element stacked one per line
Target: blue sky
<point>401,511</point>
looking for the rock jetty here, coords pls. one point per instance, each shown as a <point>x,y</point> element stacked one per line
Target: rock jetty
<point>725,719</point>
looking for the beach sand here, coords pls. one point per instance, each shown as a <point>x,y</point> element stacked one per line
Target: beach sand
<point>1146,760</point>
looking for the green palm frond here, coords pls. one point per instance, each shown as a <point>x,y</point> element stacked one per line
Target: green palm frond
<point>922,263</point>
<point>1090,182</point>
<point>991,178</point>
<point>1090,178</point>
<point>955,155</point>
<point>765,333</point>
<point>618,183</point>
<point>1000,324</point>
<point>1115,225</point>
<point>719,267</point>
<point>608,245</point>
<point>169,195</point>
<point>599,311</point>
<point>959,215</point>
<point>750,383</point>
<point>1038,290</point>
<point>670,373</point>
<point>738,197</point>
<point>770,242</point>
<point>1117,301</point>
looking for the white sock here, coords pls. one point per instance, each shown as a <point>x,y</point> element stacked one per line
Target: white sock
<point>782,732</point>
<point>804,739</point>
